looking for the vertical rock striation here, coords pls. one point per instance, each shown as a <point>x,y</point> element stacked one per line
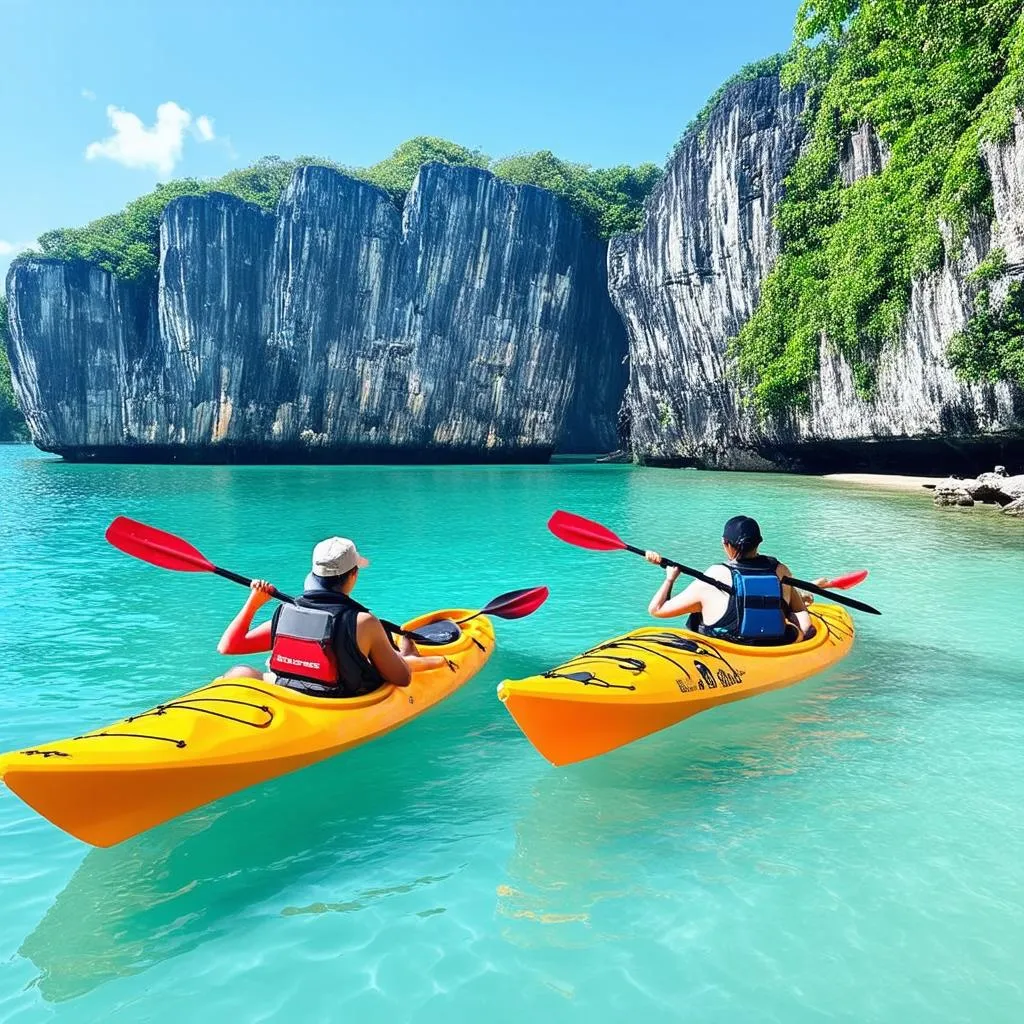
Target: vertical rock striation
<point>475,324</point>
<point>691,277</point>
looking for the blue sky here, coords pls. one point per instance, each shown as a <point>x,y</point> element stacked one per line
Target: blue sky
<point>600,82</point>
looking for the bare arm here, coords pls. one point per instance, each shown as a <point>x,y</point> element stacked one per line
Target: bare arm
<point>419,662</point>
<point>386,660</point>
<point>663,605</point>
<point>795,600</point>
<point>238,638</point>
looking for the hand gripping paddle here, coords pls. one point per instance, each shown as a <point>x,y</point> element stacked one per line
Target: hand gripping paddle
<point>170,552</point>
<point>585,533</point>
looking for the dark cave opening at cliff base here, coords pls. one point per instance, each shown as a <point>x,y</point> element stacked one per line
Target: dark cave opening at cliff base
<point>931,456</point>
<point>255,455</point>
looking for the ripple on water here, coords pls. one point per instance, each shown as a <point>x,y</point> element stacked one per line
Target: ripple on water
<point>850,847</point>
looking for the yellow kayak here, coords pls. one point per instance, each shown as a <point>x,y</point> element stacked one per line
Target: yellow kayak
<point>113,783</point>
<point>652,678</point>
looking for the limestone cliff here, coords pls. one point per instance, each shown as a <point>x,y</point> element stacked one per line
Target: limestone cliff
<point>473,324</point>
<point>691,277</point>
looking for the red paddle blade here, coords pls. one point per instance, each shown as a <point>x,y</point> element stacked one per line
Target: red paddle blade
<point>516,604</point>
<point>851,579</point>
<point>584,533</point>
<point>156,546</point>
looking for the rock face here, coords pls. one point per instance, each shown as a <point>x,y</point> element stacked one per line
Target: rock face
<point>863,155</point>
<point>473,325</point>
<point>952,492</point>
<point>691,277</point>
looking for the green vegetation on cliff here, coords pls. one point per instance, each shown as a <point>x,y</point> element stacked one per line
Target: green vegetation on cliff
<point>756,69</point>
<point>12,423</point>
<point>126,243</point>
<point>991,346</point>
<point>935,79</point>
<point>611,199</point>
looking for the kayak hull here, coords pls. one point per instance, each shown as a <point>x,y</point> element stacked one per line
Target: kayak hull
<point>654,678</point>
<point>112,783</point>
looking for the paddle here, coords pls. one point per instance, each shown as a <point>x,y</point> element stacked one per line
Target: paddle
<point>171,552</point>
<point>851,579</point>
<point>585,533</point>
<point>516,604</point>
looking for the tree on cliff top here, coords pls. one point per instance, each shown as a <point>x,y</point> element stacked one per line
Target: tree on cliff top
<point>611,198</point>
<point>126,243</point>
<point>397,173</point>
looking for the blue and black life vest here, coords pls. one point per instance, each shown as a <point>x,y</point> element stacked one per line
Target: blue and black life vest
<point>315,650</point>
<point>756,613</point>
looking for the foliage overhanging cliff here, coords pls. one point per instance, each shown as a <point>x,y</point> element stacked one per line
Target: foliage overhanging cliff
<point>610,200</point>
<point>935,80</point>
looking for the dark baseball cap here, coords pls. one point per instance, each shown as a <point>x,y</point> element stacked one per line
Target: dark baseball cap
<point>742,532</point>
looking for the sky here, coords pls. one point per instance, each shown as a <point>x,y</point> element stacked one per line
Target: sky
<point>102,99</point>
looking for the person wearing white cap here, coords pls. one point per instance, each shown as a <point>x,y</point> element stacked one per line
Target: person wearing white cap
<point>326,644</point>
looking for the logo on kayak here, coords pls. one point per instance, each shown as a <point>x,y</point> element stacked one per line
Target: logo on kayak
<point>727,677</point>
<point>707,677</point>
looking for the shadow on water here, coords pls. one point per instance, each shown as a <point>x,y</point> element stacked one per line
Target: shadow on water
<point>199,877</point>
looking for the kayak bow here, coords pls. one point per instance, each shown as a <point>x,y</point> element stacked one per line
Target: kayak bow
<point>112,783</point>
<point>652,678</point>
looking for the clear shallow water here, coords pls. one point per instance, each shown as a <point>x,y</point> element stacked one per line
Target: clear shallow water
<point>851,848</point>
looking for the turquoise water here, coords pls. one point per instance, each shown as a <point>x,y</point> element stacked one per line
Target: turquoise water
<point>851,848</point>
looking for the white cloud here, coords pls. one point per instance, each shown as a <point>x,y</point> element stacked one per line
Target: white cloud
<point>13,248</point>
<point>155,148</point>
<point>88,94</point>
<point>204,128</point>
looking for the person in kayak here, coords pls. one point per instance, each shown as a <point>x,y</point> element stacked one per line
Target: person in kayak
<point>761,609</point>
<point>326,644</point>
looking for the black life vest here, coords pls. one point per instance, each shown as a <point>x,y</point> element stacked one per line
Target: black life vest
<point>756,613</point>
<point>314,646</point>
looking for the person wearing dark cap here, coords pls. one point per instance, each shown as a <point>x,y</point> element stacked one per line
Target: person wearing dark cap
<point>760,610</point>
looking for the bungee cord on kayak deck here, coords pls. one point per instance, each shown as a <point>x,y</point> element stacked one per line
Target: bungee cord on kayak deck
<point>772,638</point>
<point>122,783</point>
<point>589,679</point>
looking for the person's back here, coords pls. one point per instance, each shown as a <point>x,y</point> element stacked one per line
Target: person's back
<point>315,645</point>
<point>325,644</point>
<point>760,606</point>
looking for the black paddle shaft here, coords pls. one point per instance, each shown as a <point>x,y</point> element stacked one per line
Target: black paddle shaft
<point>281,596</point>
<point>831,595</point>
<point>789,580</point>
<point>246,582</point>
<point>718,584</point>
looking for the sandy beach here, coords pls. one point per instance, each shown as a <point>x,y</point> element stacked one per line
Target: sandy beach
<point>884,481</point>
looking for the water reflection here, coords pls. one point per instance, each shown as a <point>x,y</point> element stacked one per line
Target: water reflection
<point>170,890</point>
<point>576,851</point>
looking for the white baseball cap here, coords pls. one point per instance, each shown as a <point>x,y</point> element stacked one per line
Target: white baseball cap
<point>336,556</point>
